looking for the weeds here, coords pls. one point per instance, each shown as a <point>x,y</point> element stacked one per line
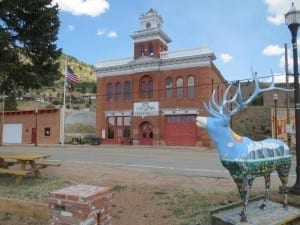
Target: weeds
<point>119,187</point>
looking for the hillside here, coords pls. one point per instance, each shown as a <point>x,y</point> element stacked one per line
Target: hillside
<point>80,96</point>
<point>85,71</point>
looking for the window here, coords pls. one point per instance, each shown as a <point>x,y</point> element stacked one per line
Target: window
<point>127,122</point>
<point>142,50</point>
<point>111,126</point>
<point>47,131</point>
<point>179,86</point>
<point>191,86</point>
<point>150,89</point>
<point>127,89</point>
<point>169,87</point>
<point>109,92</point>
<point>146,87</point>
<point>151,49</point>
<point>181,119</point>
<point>118,88</point>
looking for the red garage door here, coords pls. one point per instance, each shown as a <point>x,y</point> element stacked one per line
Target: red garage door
<point>180,130</point>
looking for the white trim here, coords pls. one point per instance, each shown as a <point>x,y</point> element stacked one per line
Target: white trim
<point>154,65</point>
<point>180,111</point>
<point>117,113</point>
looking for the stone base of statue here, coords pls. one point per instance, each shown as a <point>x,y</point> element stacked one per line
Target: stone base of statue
<point>274,214</point>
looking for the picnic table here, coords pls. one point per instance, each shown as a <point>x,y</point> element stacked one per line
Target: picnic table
<point>21,164</point>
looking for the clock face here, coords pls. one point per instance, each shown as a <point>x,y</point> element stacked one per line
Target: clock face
<point>148,25</point>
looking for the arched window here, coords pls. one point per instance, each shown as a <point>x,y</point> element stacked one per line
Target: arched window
<point>142,50</point>
<point>109,93</point>
<point>146,87</point>
<point>150,89</point>
<point>191,86</point>
<point>118,89</point>
<point>169,87</point>
<point>179,87</point>
<point>127,90</point>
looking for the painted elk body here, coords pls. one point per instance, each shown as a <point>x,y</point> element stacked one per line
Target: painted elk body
<point>244,158</point>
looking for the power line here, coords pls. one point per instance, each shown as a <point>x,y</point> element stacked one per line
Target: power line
<point>186,87</point>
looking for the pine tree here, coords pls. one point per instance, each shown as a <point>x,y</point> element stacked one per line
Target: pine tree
<point>28,52</point>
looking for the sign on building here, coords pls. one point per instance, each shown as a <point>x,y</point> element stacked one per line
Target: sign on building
<point>146,109</point>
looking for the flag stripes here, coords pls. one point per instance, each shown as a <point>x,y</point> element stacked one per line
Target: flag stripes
<point>71,76</point>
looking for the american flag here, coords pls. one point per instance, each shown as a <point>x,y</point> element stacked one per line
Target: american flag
<point>71,76</point>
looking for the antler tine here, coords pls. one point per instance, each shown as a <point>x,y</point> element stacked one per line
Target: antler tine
<point>214,103</point>
<point>225,101</point>
<point>258,90</point>
<point>237,100</point>
<point>210,110</point>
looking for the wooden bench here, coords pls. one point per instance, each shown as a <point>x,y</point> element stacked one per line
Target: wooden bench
<point>42,165</point>
<point>6,164</point>
<point>15,171</point>
<point>19,173</point>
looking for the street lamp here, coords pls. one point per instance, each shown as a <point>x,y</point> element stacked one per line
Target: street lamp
<point>275,98</point>
<point>292,19</point>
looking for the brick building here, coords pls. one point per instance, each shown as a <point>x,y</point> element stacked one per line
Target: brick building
<point>153,97</point>
<point>31,126</point>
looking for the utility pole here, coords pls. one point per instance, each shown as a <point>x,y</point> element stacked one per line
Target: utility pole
<point>2,119</point>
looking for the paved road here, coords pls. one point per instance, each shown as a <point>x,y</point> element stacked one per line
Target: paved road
<point>178,161</point>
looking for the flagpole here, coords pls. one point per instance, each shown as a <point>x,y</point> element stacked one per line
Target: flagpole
<point>62,140</point>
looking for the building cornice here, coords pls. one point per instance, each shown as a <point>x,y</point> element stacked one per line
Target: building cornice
<point>151,34</point>
<point>146,64</point>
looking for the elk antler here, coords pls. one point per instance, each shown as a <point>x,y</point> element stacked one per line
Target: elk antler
<point>238,100</point>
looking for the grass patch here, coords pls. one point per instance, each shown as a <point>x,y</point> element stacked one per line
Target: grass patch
<point>31,188</point>
<point>193,207</point>
<point>119,187</point>
<point>6,217</point>
<point>160,193</point>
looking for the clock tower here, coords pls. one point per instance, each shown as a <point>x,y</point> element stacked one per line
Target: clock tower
<point>150,40</point>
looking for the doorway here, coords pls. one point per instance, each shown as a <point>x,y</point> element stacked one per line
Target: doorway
<point>146,133</point>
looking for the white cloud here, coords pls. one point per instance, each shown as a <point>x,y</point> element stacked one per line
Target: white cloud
<point>276,10</point>
<point>273,50</point>
<point>112,34</point>
<point>70,28</point>
<point>280,78</point>
<point>101,32</point>
<point>226,57</point>
<point>83,7</point>
<point>290,57</point>
<point>277,20</point>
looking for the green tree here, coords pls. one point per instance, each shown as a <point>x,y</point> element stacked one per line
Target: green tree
<point>11,102</point>
<point>28,52</point>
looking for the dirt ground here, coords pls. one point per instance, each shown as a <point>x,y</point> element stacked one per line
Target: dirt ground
<point>147,198</point>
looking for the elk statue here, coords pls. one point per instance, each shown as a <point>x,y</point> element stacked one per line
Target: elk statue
<point>244,158</point>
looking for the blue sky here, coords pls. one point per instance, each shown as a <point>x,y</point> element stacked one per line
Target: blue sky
<point>245,35</point>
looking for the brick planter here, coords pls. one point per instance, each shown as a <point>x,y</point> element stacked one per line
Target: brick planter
<point>80,205</point>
